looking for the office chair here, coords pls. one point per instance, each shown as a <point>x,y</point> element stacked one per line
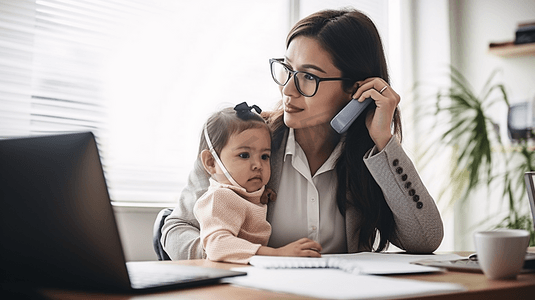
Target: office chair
<point>157,233</point>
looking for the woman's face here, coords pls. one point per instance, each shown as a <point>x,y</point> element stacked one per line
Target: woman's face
<point>306,55</point>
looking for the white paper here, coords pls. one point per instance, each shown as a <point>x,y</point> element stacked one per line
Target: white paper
<point>337,284</point>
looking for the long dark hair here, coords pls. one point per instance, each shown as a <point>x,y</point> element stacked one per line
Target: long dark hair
<point>356,49</point>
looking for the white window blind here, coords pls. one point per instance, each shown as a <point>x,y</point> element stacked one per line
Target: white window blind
<point>143,75</point>
<point>17,23</point>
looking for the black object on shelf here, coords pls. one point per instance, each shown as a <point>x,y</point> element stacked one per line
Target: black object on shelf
<point>520,121</point>
<point>525,34</point>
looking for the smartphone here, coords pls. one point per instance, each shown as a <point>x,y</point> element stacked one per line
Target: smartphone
<point>341,122</point>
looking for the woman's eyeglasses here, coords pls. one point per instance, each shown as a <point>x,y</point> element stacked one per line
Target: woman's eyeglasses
<point>306,83</point>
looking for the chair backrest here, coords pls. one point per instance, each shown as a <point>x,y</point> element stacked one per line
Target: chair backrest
<point>157,233</point>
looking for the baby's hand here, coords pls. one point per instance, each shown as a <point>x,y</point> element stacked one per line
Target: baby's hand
<point>301,247</point>
<point>268,195</point>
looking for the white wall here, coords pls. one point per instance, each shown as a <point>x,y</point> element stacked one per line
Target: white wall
<point>442,32</point>
<point>476,23</point>
<point>458,32</point>
<point>479,22</point>
<point>135,227</point>
<point>427,55</point>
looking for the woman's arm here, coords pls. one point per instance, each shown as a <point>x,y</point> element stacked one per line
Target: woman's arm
<point>180,232</point>
<point>418,225</point>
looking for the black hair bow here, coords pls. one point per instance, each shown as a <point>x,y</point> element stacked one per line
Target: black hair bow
<point>244,111</point>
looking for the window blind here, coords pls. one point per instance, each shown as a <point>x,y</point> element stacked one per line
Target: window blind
<point>17,20</point>
<point>142,75</point>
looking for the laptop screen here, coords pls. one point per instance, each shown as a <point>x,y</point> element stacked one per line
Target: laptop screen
<point>530,187</point>
<point>57,225</point>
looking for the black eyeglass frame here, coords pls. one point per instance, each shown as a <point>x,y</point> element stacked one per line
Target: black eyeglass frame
<point>296,81</point>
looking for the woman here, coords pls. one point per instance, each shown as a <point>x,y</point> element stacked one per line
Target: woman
<point>352,192</point>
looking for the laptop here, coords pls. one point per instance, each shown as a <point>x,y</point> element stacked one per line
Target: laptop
<point>58,227</point>
<point>529,178</point>
<point>470,264</point>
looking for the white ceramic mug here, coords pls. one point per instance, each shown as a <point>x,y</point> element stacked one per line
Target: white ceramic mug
<point>501,253</point>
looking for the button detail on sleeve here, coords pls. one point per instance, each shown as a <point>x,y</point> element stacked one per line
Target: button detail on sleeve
<point>399,170</point>
<point>408,184</point>
<point>395,163</point>
<point>404,177</point>
<point>419,205</point>
<point>416,198</point>
<point>412,192</point>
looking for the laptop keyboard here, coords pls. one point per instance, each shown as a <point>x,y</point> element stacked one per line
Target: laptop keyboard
<point>143,275</point>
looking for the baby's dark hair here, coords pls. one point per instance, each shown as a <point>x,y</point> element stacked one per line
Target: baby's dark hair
<point>226,122</point>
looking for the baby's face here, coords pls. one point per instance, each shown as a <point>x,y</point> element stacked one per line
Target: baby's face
<point>246,156</point>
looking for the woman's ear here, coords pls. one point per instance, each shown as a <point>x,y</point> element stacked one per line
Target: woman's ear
<point>208,161</point>
<point>354,89</point>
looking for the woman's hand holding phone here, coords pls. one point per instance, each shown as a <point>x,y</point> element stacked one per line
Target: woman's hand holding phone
<point>378,121</point>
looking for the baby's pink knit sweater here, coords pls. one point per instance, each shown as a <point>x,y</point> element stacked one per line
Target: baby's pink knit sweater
<point>233,222</point>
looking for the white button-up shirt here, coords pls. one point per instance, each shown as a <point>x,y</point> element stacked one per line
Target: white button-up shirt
<point>306,205</point>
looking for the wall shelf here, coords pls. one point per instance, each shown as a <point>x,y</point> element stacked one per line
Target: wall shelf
<point>512,50</point>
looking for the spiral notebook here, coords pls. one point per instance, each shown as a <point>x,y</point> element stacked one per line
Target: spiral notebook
<point>358,263</point>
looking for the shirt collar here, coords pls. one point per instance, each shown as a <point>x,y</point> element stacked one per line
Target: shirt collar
<point>329,164</point>
<point>290,144</point>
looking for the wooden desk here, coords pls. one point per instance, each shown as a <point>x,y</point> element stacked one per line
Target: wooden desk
<point>478,287</point>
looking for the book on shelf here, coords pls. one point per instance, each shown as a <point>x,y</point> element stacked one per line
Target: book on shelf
<point>525,33</point>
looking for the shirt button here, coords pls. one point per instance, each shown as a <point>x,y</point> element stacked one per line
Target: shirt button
<point>399,170</point>
<point>395,163</point>
<point>416,198</point>
<point>404,177</point>
<point>419,205</point>
<point>312,199</point>
<point>408,184</point>
<point>412,192</point>
<point>314,228</point>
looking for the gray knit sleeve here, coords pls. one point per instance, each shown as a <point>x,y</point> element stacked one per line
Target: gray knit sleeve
<point>418,225</point>
<point>180,232</point>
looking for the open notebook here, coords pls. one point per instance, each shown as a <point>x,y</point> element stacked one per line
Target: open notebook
<point>356,263</point>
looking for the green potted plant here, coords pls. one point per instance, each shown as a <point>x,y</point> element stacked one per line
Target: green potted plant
<point>479,157</point>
